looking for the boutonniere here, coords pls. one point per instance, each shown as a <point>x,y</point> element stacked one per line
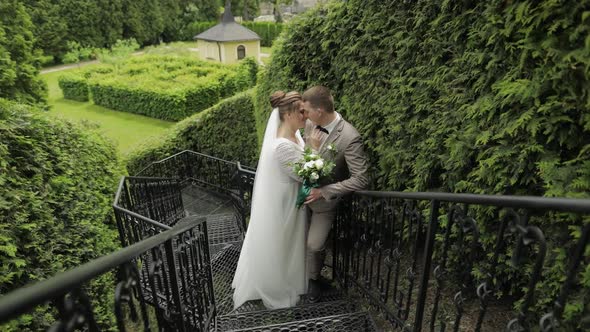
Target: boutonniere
<point>332,149</point>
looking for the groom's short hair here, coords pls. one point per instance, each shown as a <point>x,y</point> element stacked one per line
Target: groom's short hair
<point>319,96</point>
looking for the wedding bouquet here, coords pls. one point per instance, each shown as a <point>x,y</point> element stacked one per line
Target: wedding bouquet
<point>312,169</point>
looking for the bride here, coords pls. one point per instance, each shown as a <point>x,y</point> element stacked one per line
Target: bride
<point>272,262</point>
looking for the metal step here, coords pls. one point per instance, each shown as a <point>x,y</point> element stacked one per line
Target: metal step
<point>330,295</point>
<point>223,267</point>
<point>276,316</point>
<point>350,322</point>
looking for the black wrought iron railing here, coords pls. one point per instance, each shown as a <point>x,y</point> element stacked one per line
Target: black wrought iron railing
<point>224,177</point>
<point>435,261</point>
<point>176,259</point>
<point>146,206</point>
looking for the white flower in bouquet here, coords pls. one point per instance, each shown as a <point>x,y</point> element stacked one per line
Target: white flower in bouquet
<point>314,177</point>
<point>319,164</point>
<point>308,165</point>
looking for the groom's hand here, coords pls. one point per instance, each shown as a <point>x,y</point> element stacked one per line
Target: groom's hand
<point>313,196</point>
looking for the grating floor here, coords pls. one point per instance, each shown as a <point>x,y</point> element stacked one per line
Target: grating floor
<point>334,312</point>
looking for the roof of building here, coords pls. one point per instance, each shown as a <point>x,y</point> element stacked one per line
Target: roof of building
<point>228,29</point>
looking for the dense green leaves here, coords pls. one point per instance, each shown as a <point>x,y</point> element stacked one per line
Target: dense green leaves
<point>458,96</point>
<point>225,130</point>
<point>99,24</point>
<point>18,60</point>
<point>58,180</point>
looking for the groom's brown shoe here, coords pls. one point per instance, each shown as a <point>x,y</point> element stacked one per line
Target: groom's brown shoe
<point>314,291</point>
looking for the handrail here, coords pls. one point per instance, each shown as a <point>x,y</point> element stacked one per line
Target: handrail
<point>181,152</point>
<point>21,300</point>
<point>246,169</point>
<point>139,216</point>
<point>529,202</point>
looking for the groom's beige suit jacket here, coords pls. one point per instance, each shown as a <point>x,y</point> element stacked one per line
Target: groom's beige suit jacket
<point>351,170</point>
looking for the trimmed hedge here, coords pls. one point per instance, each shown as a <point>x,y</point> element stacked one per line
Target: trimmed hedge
<point>226,130</point>
<point>483,97</point>
<point>163,87</point>
<point>58,182</point>
<point>73,87</point>
<point>268,31</point>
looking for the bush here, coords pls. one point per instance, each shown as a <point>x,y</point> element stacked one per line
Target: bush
<point>225,130</point>
<point>77,53</point>
<point>196,28</point>
<point>268,31</point>
<point>74,87</point>
<point>464,96</point>
<point>58,183</point>
<point>166,87</point>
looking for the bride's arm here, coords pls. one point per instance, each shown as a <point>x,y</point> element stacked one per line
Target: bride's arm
<point>287,154</point>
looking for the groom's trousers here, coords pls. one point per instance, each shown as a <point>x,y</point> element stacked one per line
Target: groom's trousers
<point>319,227</point>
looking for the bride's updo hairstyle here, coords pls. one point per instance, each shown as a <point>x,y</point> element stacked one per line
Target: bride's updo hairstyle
<point>285,102</point>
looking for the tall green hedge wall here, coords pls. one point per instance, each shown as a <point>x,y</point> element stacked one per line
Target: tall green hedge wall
<point>58,181</point>
<point>226,130</point>
<point>457,96</point>
<point>268,31</point>
<point>482,97</point>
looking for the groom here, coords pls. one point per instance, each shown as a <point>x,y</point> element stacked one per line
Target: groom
<point>350,173</point>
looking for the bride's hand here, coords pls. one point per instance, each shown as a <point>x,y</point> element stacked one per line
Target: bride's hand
<point>315,139</point>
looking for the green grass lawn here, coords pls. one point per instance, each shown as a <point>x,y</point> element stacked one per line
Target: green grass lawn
<point>125,129</point>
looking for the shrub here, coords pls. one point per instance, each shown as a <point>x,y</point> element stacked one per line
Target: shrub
<point>58,183</point>
<point>74,87</point>
<point>268,31</point>
<point>464,96</point>
<point>225,130</point>
<point>77,53</point>
<point>166,87</point>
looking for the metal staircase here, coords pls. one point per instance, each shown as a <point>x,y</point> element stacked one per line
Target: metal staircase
<point>182,221</point>
<point>335,312</point>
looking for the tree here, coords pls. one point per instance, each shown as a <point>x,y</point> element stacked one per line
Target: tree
<point>111,21</point>
<point>143,21</point>
<point>19,62</point>
<point>277,8</point>
<point>83,20</point>
<point>247,8</point>
<point>49,28</point>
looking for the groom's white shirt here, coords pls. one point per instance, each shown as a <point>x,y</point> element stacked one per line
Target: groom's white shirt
<point>330,126</point>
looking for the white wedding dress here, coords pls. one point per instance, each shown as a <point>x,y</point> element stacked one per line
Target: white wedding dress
<point>272,261</point>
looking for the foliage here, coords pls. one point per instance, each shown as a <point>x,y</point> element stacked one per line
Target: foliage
<point>49,27</point>
<point>58,180</point>
<point>268,31</point>
<point>225,130</point>
<point>195,28</point>
<point>19,61</point>
<point>99,24</point>
<point>77,53</point>
<point>74,87</point>
<point>118,53</point>
<point>247,9</point>
<point>478,97</point>
<point>162,87</point>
